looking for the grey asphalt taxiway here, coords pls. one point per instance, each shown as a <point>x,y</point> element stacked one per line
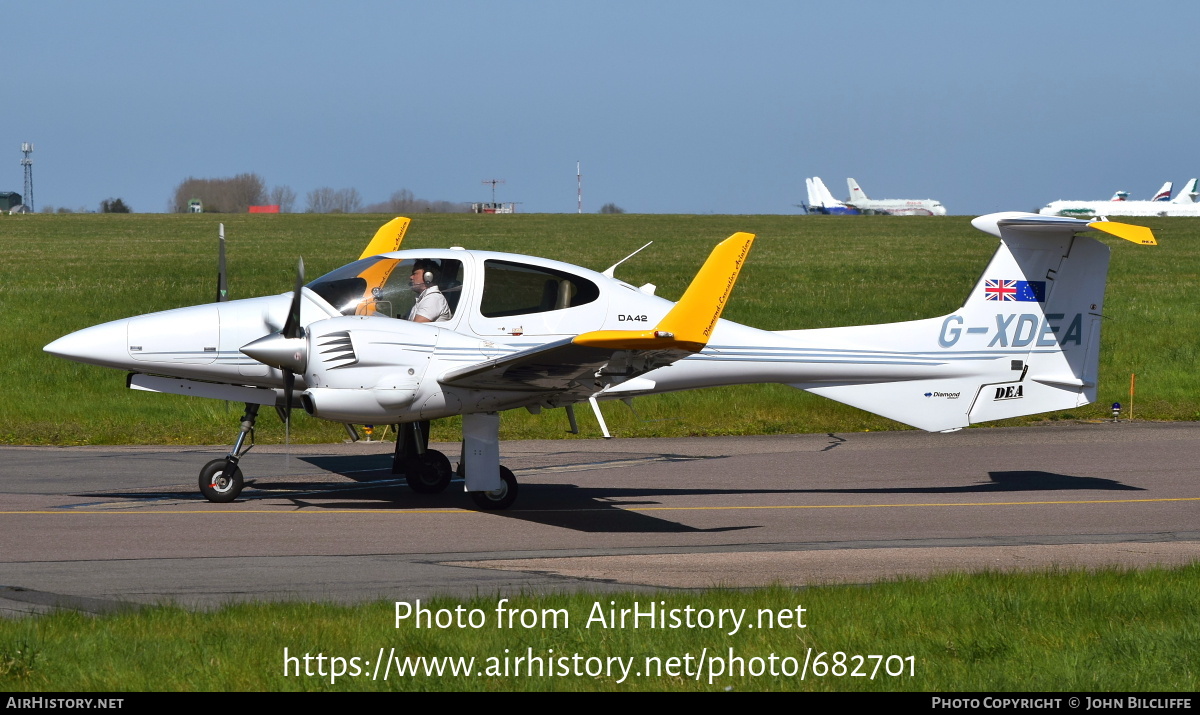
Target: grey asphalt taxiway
<point>104,528</point>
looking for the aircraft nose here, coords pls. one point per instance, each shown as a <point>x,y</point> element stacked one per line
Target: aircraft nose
<point>105,344</point>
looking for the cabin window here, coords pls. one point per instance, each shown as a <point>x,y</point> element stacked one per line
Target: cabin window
<point>380,286</point>
<point>518,289</point>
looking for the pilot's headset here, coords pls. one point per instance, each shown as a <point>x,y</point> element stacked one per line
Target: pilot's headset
<point>427,275</point>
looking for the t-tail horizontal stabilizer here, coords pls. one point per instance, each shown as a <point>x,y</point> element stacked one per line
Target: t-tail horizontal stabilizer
<point>1026,340</point>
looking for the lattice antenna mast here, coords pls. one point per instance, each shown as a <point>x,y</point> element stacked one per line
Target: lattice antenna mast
<point>493,182</point>
<point>579,186</point>
<point>27,149</point>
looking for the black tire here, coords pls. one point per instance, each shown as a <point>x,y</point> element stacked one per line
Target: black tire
<point>503,497</point>
<point>218,486</point>
<point>429,473</point>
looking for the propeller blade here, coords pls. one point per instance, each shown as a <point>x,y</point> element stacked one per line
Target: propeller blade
<point>291,328</point>
<point>222,284</point>
<point>289,386</point>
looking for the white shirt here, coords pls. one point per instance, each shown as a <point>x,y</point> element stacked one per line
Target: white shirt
<point>431,305</point>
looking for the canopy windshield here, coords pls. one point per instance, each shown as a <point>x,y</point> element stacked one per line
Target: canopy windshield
<point>382,286</point>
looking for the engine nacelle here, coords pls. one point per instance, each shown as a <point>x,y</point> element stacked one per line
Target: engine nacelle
<point>363,406</point>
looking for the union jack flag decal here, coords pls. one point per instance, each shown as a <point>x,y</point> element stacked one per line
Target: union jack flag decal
<point>1013,290</point>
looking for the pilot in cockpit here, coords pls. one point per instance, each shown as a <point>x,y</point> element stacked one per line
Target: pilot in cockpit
<point>431,305</point>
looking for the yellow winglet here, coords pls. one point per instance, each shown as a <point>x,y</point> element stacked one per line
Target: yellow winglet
<point>1137,234</point>
<point>387,238</point>
<point>690,323</point>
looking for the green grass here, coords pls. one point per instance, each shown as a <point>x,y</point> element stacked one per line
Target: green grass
<point>60,273</point>
<point>1081,631</point>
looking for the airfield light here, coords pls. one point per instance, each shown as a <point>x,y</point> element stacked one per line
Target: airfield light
<point>1116,411</point>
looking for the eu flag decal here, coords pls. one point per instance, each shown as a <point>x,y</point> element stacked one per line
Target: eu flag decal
<point>1023,291</point>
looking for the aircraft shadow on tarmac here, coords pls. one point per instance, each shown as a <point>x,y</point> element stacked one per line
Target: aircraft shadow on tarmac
<point>1018,481</point>
<point>372,486</point>
<point>601,510</point>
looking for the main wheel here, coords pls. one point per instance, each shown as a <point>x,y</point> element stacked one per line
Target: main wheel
<point>218,484</point>
<point>428,473</point>
<point>503,497</point>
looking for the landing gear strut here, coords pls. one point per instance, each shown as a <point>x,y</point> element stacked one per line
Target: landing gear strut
<point>427,471</point>
<point>221,479</point>
<point>491,485</point>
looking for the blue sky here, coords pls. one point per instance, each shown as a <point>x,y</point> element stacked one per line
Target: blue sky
<point>672,107</point>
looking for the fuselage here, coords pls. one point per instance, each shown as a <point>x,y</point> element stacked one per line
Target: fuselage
<point>901,207</point>
<point>366,363</point>
<point>1086,209</point>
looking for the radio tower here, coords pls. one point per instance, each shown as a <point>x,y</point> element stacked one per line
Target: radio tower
<point>579,186</point>
<point>493,182</point>
<point>27,149</point>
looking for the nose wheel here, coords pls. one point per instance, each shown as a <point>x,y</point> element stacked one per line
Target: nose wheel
<point>221,481</point>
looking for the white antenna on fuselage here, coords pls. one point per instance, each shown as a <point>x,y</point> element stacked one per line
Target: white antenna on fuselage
<point>609,271</point>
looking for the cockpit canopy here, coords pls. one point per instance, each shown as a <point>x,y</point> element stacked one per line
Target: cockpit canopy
<point>383,286</point>
<point>389,287</point>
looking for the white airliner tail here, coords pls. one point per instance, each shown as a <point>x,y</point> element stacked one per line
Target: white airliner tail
<point>1186,195</point>
<point>1025,341</point>
<point>814,201</point>
<point>856,193</point>
<point>1164,194</point>
<point>822,191</point>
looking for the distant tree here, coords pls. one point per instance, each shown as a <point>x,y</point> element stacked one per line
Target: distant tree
<point>404,202</point>
<point>349,201</point>
<point>326,200</point>
<point>284,198</point>
<point>611,208</point>
<point>320,201</point>
<point>232,195</point>
<point>114,206</point>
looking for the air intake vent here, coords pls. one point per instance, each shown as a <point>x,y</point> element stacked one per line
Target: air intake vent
<point>337,350</point>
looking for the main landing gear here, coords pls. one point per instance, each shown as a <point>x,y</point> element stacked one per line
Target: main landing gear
<point>221,479</point>
<point>501,498</point>
<point>426,470</point>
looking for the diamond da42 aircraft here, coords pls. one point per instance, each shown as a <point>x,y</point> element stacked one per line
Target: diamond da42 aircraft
<point>512,331</point>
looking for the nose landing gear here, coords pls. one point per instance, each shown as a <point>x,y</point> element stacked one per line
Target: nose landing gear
<point>221,479</point>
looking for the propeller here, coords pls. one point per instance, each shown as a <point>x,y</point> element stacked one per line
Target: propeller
<point>222,284</point>
<point>286,349</point>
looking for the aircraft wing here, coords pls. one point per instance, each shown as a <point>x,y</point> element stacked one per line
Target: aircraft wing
<point>562,366</point>
<point>581,365</point>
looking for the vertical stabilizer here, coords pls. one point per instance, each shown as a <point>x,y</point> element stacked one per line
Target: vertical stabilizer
<point>822,191</point>
<point>1164,194</point>
<point>856,192</point>
<point>1025,341</point>
<point>814,200</point>
<point>1186,195</point>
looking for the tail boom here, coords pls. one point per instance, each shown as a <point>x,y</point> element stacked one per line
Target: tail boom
<point>1025,341</point>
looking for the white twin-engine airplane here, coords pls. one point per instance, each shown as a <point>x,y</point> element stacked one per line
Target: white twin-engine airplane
<point>511,331</point>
